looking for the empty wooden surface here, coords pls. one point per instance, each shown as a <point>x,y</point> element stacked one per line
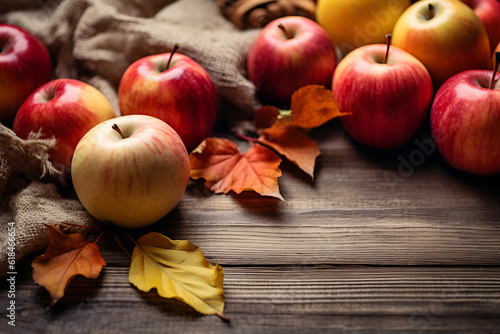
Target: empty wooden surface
<point>379,242</point>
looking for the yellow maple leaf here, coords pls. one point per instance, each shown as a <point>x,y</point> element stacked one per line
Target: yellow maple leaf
<point>177,269</point>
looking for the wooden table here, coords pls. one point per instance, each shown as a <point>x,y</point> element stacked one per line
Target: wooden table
<point>380,242</point>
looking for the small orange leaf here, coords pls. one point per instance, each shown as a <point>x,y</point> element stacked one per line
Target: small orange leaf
<point>313,106</point>
<point>294,144</point>
<point>66,256</point>
<point>225,169</point>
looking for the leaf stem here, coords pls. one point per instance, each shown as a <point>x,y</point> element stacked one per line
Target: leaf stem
<point>247,138</point>
<point>119,243</point>
<point>100,235</point>
<point>495,70</point>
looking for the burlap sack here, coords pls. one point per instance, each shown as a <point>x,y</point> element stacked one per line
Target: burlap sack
<point>95,41</point>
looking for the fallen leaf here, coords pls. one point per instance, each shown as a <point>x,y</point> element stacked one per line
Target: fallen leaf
<point>313,106</point>
<point>294,144</point>
<point>66,256</point>
<point>225,169</point>
<point>177,269</point>
<point>265,116</point>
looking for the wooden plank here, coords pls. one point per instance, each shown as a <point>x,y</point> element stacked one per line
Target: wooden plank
<point>278,299</point>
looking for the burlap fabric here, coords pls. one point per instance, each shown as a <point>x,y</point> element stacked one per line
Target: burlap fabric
<point>95,41</point>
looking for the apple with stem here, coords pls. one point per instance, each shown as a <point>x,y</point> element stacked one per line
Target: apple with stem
<point>289,53</point>
<point>488,12</point>
<point>445,35</point>
<point>465,121</point>
<point>130,170</point>
<point>24,65</point>
<point>173,88</point>
<point>387,93</point>
<point>64,109</point>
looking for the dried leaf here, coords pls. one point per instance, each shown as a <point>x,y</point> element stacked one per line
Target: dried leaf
<point>66,256</point>
<point>225,169</point>
<point>177,269</point>
<point>313,106</point>
<point>294,144</point>
<point>265,116</point>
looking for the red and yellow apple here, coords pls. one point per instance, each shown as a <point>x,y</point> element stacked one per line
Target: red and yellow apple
<point>465,121</point>
<point>488,12</point>
<point>24,65</point>
<point>130,170</point>
<point>289,53</point>
<point>175,89</point>
<point>387,98</point>
<point>64,109</point>
<point>445,35</point>
<point>355,23</point>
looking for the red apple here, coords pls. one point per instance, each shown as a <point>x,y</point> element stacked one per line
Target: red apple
<point>130,170</point>
<point>289,53</point>
<point>488,12</point>
<point>465,121</point>
<point>388,99</point>
<point>24,65</point>
<point>445,35</point>
<point>175,89</point>
<point>64,109</point>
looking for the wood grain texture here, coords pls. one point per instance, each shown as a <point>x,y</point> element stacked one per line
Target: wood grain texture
<point>373,245</point>
<point>289,299</point>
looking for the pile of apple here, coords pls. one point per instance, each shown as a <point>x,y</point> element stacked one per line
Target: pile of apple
<point>131,169</point>
<point>439,67</point>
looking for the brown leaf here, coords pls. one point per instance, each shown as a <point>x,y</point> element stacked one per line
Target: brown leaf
<point>225,169</point>
<point>294,144</point>
<point>66,256</point>
<point>265,116</point>
<point>313,106</point>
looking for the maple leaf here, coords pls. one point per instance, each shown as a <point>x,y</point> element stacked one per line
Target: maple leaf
<point>294,144</point>
<point>177,269</point>
<point>225,169</point>
<point>311,106</point>
<point>66,256</point>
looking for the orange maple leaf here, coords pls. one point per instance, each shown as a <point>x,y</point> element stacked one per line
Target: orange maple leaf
<point>66,256</point>
<point>294,144</point>
<point>311,106</point>
<point>225,169</point>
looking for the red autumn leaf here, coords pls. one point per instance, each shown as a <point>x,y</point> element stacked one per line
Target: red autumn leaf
<point>66,256</point>
<point>294,144</point>
<point>313,106</point>
<point>225,169</point>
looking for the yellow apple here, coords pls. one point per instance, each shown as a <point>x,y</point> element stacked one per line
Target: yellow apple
<point>445,35</point>
<point>354,23</point>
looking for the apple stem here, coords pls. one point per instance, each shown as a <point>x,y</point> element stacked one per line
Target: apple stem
<point>117,129</point>
<point>285,31</point>
<point>495,70</point>
<point>431,11</point>
<point>176,47</point>
<point>388,38</point>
